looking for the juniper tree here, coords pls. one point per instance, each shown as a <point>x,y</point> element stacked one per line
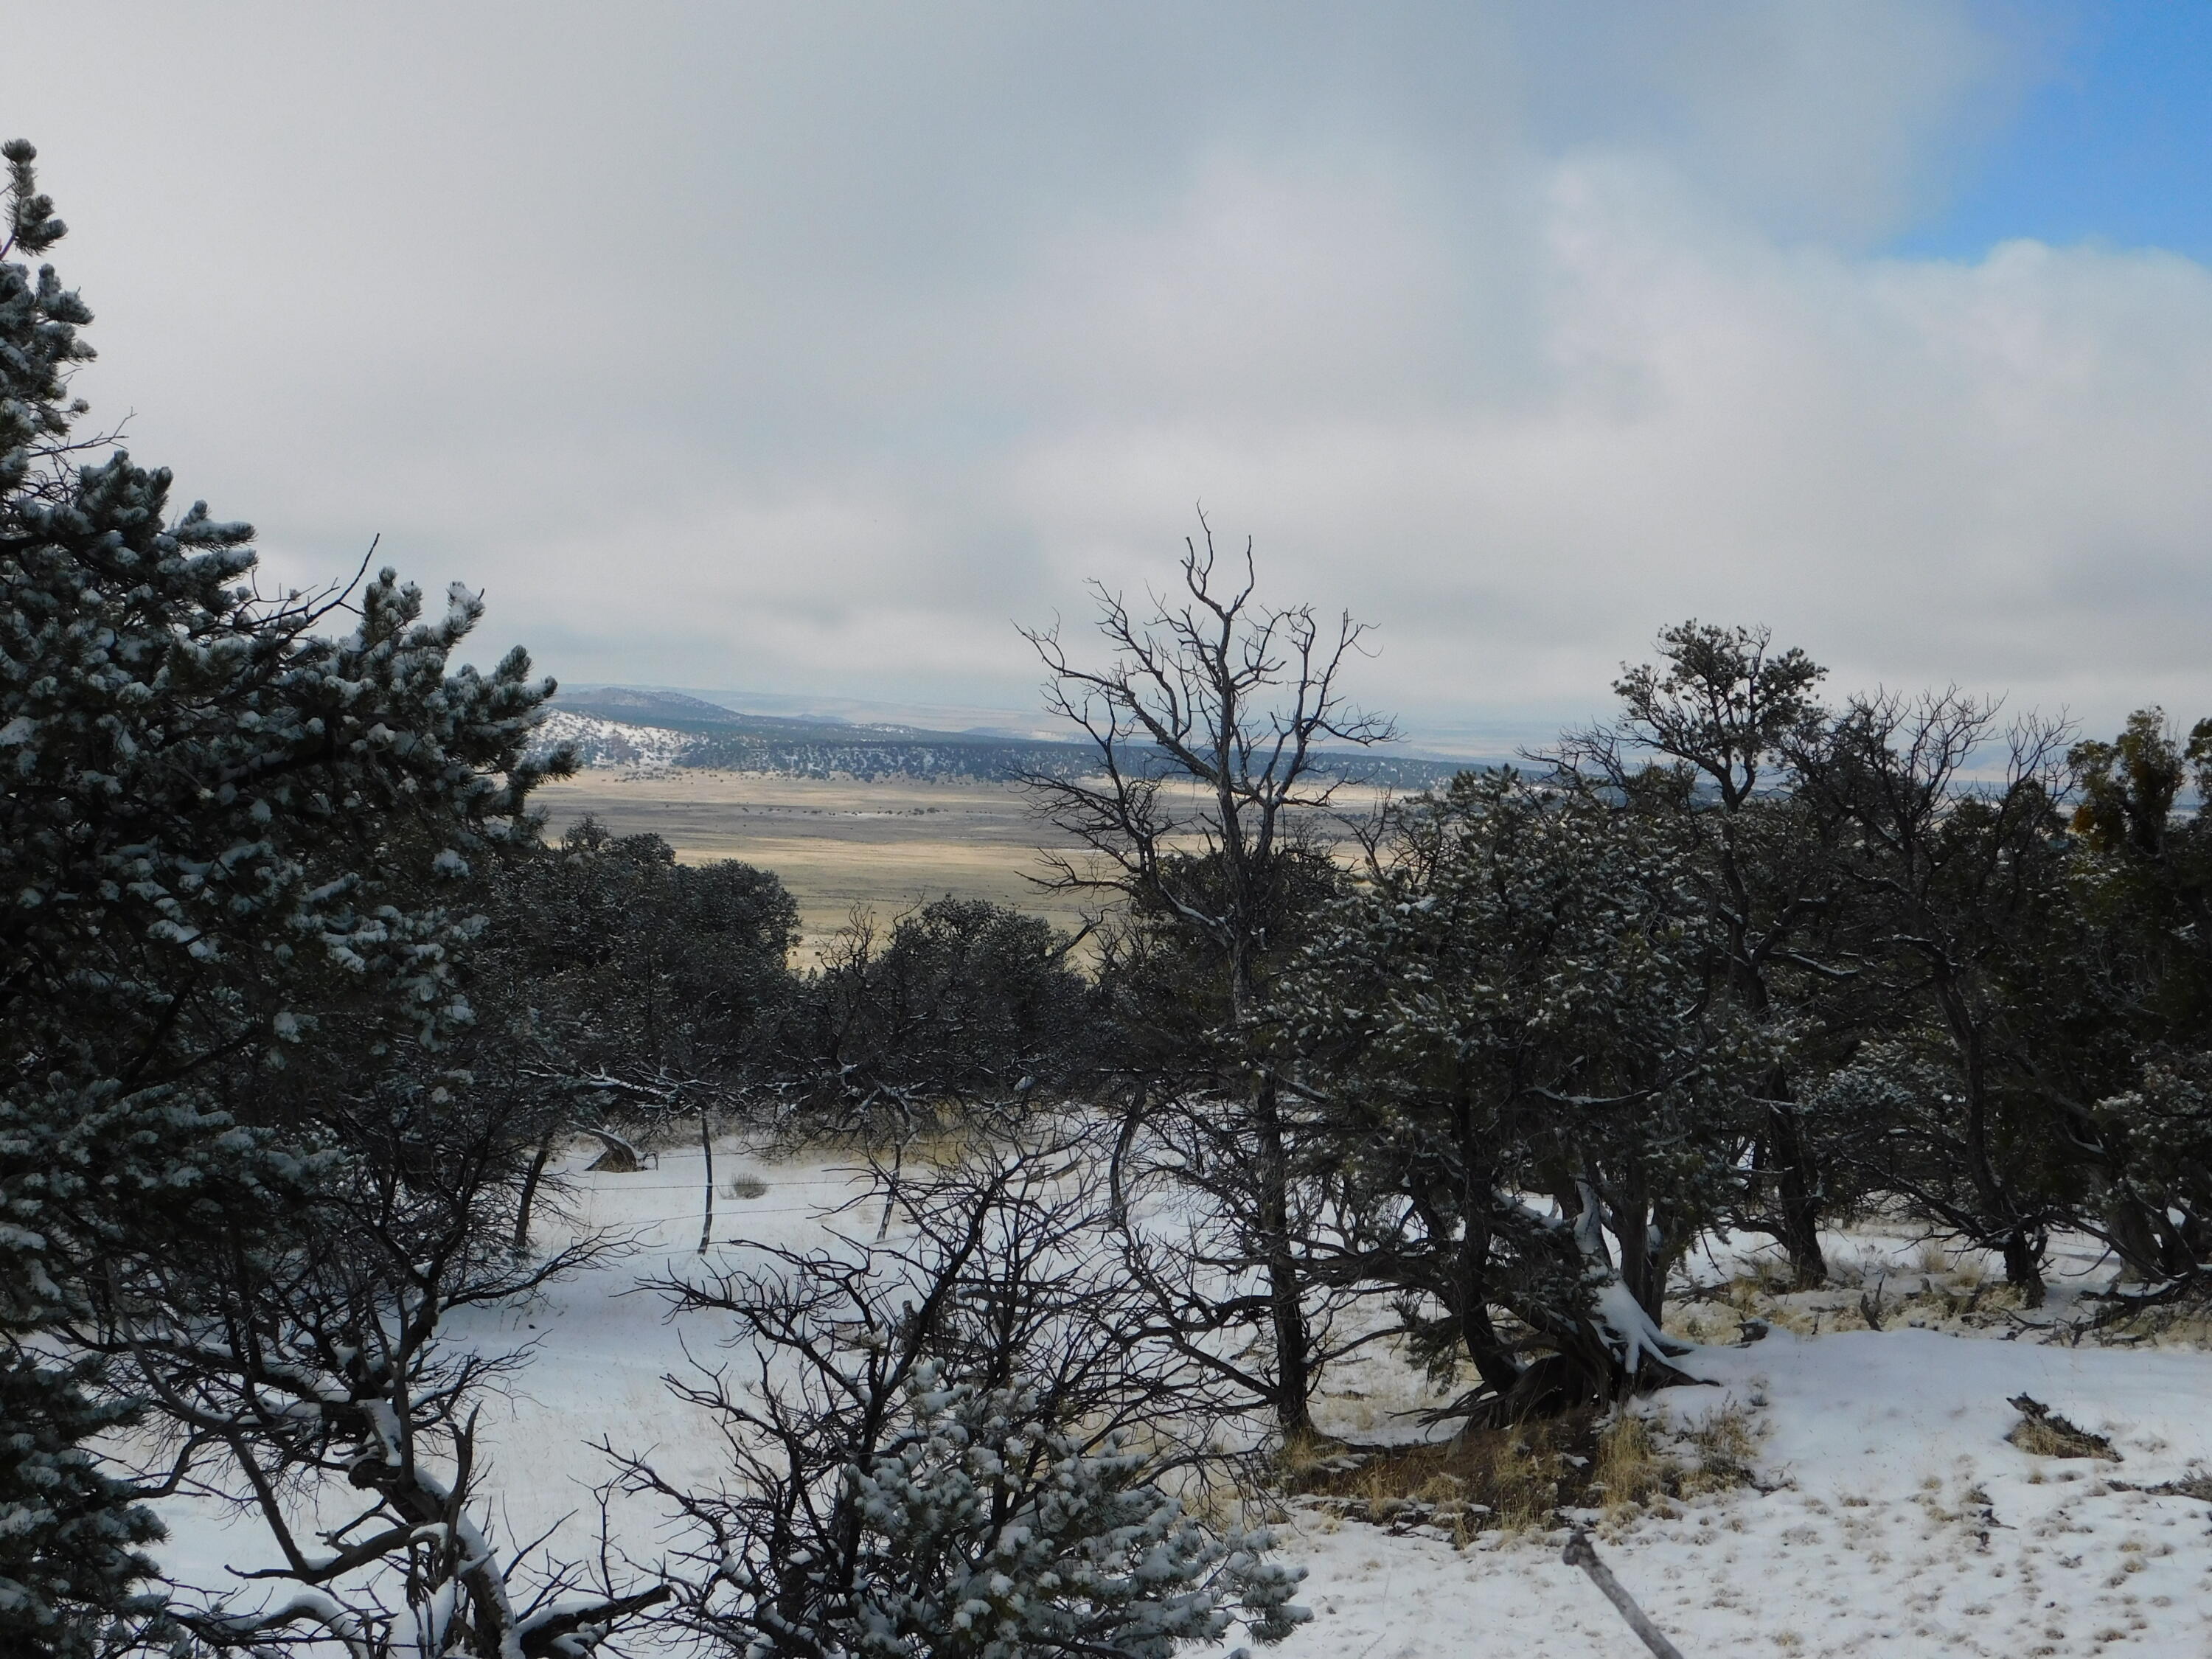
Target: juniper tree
<point>1517,1077</point>
<point>620,985</point>
<point>964,1003</point>
<point>2130,1075</point>
<point>1953,887</point>
<point>1719,714</point>
<point>636,963</point>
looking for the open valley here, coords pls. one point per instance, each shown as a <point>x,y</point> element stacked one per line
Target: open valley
<point>884,846</point>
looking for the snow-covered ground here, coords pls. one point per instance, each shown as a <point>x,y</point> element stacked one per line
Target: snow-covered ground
<point>1891,1516</point>
<point>1897,1520</point>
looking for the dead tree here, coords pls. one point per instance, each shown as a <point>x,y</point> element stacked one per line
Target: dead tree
<point>1580,1552</point>
<point>1210,727</point>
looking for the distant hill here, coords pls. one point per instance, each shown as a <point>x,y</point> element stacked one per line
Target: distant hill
<point>618,726</point>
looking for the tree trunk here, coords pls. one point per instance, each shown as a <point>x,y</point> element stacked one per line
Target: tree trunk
<point>2142,1247</point>
<point>707,1217</point>
<point>1797,1198</point>
<point>2021,1246</point>
<point>529,1198</point>
<point>1594,1363</point>
<point>1643,1256</point>
<point>1788,1156</point>
<point>1493,1360</point>
<point>2023,1266</point>
<point>1285,1290</point>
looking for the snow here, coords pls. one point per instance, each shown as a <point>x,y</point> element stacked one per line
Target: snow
<point>1891,1516</point>
<point>1899,1521</point>
<point>610,742</point>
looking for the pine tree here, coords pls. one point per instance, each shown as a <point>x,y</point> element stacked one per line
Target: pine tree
<point>71,1536</point>
<point>220,829</point>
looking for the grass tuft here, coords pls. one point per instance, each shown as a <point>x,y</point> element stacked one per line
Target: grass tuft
<point>1519,1480</point>
<point>2042,1432</point>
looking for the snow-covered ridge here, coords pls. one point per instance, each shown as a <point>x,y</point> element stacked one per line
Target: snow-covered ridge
<point>610,742</point>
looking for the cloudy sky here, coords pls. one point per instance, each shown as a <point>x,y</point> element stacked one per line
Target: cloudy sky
<point>807,348</point>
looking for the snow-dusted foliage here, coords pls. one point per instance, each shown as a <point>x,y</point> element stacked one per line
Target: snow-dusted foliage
<point>2143,875</point>
<point>70,1534</point>
<point>1712,735</point>
<point>219,828</point>
<point>992,1535</point>
<point>1954,892</point>
<point>1516,1075</point>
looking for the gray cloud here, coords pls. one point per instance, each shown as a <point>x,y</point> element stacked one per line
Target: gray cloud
<point>806,347</point>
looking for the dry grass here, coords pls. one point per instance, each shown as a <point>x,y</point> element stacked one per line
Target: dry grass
<point>746,1186</point>
<point>1766,1276</point>
<point>935,1140</point>
<point>1511,1480</point>
<point>940,1146</point>
<point>1696,1322</point>
<point>2042,1432</point>
<point>1519,1480</point>
<point>1724,1451</point>
<point>1632,1469</point>
<point>2180,1326</point>
<point>835,843</point>
<point>1938,1287</point>
<point>838,843</point>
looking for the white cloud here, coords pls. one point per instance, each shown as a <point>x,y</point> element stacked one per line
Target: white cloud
<point>1920,470</point>
<point>756,346</point>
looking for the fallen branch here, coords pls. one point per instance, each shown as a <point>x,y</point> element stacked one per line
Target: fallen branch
<point>1580,1553</point>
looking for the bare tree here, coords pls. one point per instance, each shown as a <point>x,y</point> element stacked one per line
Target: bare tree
<point>302,1366</point>
<point>1211,723</point>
